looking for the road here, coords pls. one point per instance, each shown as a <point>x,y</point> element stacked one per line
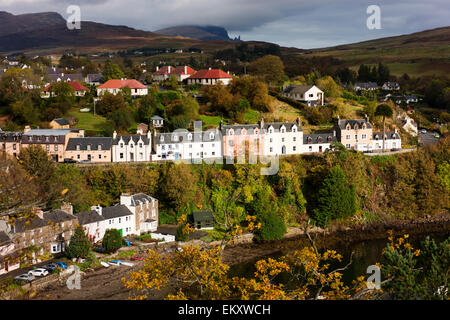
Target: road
<point>428,138</point>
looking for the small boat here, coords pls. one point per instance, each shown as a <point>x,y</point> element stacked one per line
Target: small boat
<point>104,264</point>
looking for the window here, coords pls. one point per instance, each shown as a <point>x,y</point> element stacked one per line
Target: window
<point>294,139</point>
<point>120,220</point>
<point>271,149</point>
<point>310,148</point>
<point>271,140</point>
<point>121,156</point>
<point>56,147</point>
<point>347,137</point>
<point>99,156</point>
<point>121,145</point>
<point>99,147</point>
<point>347,146</point>
<point>282,139</point>
<point>78,147</point>
<point>294,148</point>
<point>47,147</point>
<point>88,147</point>
<point>78,156</point>
<point>140,145</point>
<point>364,136</point>
<point>356,137</point>
<point>213,153</point>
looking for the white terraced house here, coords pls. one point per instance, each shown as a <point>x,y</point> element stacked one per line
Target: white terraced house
<point>185,145</point>
<point>392,141</point>
<point>310,95</point>
<point>131,148</point>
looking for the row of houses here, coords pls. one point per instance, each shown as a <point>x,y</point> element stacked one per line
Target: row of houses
<point>46,233</point>
<point>227,141</point>
<point>370,86</point>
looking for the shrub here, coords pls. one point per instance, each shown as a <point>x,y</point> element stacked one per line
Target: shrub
<point>272,227</point>
<point>79,246</point>
<point>112,241</point>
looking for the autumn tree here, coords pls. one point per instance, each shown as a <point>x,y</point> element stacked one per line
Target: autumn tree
<point>111,71</point>
<point>269,68</point>
<point>110,103</point>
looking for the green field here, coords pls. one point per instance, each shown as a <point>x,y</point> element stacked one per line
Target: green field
<point>87,121</point>
<point>210,120</point>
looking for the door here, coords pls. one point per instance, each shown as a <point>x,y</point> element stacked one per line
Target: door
<point>320,148</point>
<point>89,157</point>
<point>131,156</point>
<point>283,150</point>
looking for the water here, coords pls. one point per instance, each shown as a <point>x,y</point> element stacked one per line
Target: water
<point>365,253</point>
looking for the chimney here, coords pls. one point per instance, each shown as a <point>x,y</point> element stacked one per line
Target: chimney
<point>261,123</point>
<point>149,136</point>
<point>209,68</point>
<point>185,69</point>
<point>157,68</point>
<point>366,118</point>
<point>336,120</point>
<point>170,69</point>
<point>27,128</point>
<point>221,124</point>
<point>39,213</point>
<point>97,209</point>
<point>114,134</point>
<point>298,121</point>
<point>125,199</point>
<point>67,207</point>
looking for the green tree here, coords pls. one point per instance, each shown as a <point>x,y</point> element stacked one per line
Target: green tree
<point>335,198</point>
<point>110,103</point>
<point>111,71</point>
<point>272,226</point>
<point>112,240</point>
<point>79,245</point>
<point>385,111</point>
<point>269,68</point>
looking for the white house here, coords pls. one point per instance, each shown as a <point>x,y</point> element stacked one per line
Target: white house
<point>282,138</point>
<point>209,77</point>
<point>116,85</point>
<point>131,148</point>
<point>311,95</point>
<point>393,141</point>
<point>318,143</point>
<point>185,145</point>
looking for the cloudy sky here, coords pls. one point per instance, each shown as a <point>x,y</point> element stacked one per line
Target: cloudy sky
<point>292,23</point>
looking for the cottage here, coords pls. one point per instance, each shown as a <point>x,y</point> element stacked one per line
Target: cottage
<point>59,123</point>
<point>311,95</point>
<point>115,86</point>
<point>390,86</point>
<point>10,143</point>
<point>131,148</point>
<point>392,141</point>
<point>209,77</point>
<point>79,89</point>
<point>365,86</point>
<point>157,121</point>
<point>354,134</point>
<point>162,74</point>
<point>318,143</point>
<point>203,220</point>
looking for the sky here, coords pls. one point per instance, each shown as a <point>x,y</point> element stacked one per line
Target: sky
<point>292,23</point>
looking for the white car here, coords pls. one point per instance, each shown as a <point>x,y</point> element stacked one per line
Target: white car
<point>25,277</point>
<point>39,272</point>
<point>423,131</point>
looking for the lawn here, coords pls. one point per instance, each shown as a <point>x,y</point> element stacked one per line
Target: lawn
<point>210,120</point>
<point>87,121</point>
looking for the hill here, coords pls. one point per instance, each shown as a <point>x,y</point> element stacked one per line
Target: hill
<point>11,24</point>
<point>197,32</point>
<point>421,53</point>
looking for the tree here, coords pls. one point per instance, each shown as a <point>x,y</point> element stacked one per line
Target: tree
<point>335,198</point>
<point>269,68</point>
<point>79,245</point>
<point>330,88</point>
<point>111,71</point>
<point>112,240</point>
<point>384,110</point>
<point>110,103</point>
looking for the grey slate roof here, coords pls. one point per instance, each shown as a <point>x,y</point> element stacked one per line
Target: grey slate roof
<point>135,138</point>
<point>116,212</point>
<point>389,136</point>
<point>4,238</point>
<point>366,85</point>
<point>182,137</point>
<point>25,224</point>
<point>136,199</point>
<point>295,89</point>
<point>57,216</point>
<point>94,142</point>
<point>156,118</point>
<point>343,123</point>
<point>66,77</point>
<point>88,217</point>
<point>250,128</point>
<point>319,138</point>
<point>10,136</point>
<point>61,121</point>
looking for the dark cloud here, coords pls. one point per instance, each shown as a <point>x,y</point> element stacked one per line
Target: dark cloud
<point>300,23</point>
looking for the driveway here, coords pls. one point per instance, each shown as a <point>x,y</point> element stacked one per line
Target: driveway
<point>428,138</point>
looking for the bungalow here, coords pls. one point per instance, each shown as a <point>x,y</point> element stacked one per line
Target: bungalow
<point>162,74</point>
<point>183,72</point>
<point>209,77</point>
<point>116,85</point>
<point>311,95</point>
<point>390,86</point>
<point>93,149</point>
<point>157,122</point>
<point>203,220</point>
<point>59,123</point>
<point>80,90</point>
<point>365,86</point>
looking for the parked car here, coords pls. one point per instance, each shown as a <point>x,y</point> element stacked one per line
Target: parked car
<point>85,161</point>
<point>437,136</point>
<point>61,264</point>
<point>50,267</point>
<point>68,160</point>
<point>26,277</point>
<point>39,272</point>
<point>423,131</point>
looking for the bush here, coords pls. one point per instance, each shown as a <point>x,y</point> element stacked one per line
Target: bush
<point>79,246</point>
<point>112,241</point>
<point>180,235</point>
<point>272,227</point>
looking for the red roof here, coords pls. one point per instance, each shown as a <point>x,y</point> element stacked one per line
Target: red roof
<point>180,70</point>
<point>74,84</point>
<point>164,70</point>
<point>210,74</point>
<point>118,84</point>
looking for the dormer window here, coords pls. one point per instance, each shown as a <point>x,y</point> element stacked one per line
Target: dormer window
<point>319,139</point>
<point>99,147</point>
<point>230,132</point>
<point>211,136</point>
<point>348,127</point>
<point>88,147</point>
<point>309,140</point>
<point>283,130</point>
<point>78,147</point>
<point>329,139</point>
<point>175,138</point>
<point>161,138</point>
<point>190,136</point>
<point>294,129</point>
